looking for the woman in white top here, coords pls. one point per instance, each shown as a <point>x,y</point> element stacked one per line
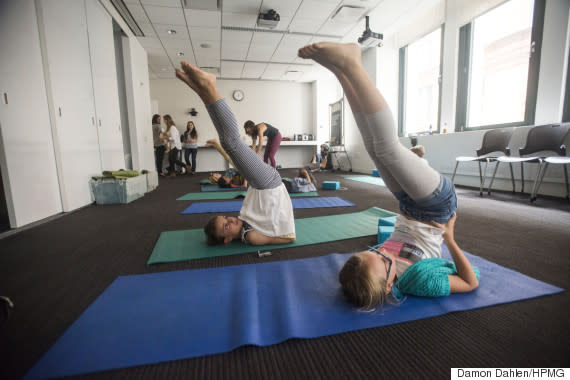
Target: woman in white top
<point>175,145</point>
<point>427,199</point>
<point>266,216</point>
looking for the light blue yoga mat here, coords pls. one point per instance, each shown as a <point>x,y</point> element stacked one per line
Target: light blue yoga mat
<point>371,180</point>
<point>153,318</point>
<point>235,206</point>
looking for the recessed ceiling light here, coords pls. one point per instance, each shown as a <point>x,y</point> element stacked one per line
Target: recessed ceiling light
<point>180,54</point>
<point>171,31</point>
<point>205,45</point>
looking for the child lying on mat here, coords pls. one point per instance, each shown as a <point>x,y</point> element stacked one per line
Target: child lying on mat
<point>410,260</point>
<point>303,183</point>
<point>231,177</point>
<point>266,216</point>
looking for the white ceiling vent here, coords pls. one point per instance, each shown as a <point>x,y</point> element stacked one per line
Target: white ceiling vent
<point>348,13</point>
<point>205,5</point>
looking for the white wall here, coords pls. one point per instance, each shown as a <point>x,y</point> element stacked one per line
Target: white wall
<point>441,150</point>
<point>138,100</point>
<point>286,106</point>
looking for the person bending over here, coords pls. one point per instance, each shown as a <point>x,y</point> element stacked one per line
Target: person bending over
<point>266,216</point>
<point>409,262</point>
<point>273,139</point>
<point>303,183</point>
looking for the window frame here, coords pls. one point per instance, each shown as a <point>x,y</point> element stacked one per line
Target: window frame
<point>402,76</point>
<point>464,72</point>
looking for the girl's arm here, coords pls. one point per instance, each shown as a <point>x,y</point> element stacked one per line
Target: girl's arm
<point>465,280</point>
<point>255,238</point>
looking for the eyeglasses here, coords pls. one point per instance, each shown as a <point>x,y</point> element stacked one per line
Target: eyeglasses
<point>387,259</point>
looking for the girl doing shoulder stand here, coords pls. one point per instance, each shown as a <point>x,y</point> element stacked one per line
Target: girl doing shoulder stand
<point>266,216</point>
<point>410,260</point>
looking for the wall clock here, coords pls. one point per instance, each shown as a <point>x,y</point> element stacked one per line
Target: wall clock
<point>238,95</point>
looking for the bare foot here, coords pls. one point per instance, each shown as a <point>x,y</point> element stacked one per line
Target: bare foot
<point>333,55</point>
<point>202,82</point>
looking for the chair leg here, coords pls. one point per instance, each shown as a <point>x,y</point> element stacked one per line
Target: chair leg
<point>493,178</point>
<point>483,178</point>
<point>480,179</point>
<point>538,181</point>
<point>512,176</point>
<point>522,178</point>
<point>566,178</point>
<point>454,171</point>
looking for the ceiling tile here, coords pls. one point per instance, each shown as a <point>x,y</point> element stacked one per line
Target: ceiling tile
<point>336,28</point>
<point>304,25</point>
<point>283,24</point>
<point>150,42</point>
<point>235,36</point>
<point>253,70</point>
<point>138,12</point>
<point>166,15</point>
<point>208,61</point>
<point>162,3</point>
<point>274,71</point>
<point>211,19</point>
<point>318,11</point>
<point>283,8</point>
<point>241,6</point>
<point>205,34</point>
<point>188,56</point>
<point>240,20</point>
<point>147,29</point>
<point>231,69</point>
<point>176,44</point>
<point>235,51</point>
<point>162,30</point>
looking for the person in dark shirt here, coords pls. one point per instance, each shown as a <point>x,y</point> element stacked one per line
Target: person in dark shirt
<point>273,139</point>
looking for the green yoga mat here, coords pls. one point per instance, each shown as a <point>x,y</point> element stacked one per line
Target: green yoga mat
<point>191,244</point>
<point>231,195</point>
<point>371,180</point>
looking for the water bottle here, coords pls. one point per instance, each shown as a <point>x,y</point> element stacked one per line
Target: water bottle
<point>430,129</point>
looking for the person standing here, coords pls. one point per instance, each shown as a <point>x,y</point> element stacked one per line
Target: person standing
<point>158,139</point>
<point>190,145</point>
<point>175,145</point>
<point>273,139</point>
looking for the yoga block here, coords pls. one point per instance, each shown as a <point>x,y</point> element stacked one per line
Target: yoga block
<point>384,233</point>
<point>375,173</point>
<point>331,185</point>
<point>387,221</point>
<point>151,181</point>
<point>111,191</point>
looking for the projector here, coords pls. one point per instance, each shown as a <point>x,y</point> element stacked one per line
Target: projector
<point>268,20</point>
<point>370,38</point>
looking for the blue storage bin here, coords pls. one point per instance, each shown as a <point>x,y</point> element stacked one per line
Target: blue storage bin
<point>388,221</point>
<point>331,185</point>
<point>375,173</point>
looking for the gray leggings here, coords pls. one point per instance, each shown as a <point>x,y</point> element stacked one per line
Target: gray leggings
<point>248,163</point>
<point>401,169</point>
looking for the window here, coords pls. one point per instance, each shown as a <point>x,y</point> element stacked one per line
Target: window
<point>498,66</point>
<point>420,72</point>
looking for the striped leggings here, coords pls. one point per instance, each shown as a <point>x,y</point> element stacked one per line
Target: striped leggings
<point>248,163</point>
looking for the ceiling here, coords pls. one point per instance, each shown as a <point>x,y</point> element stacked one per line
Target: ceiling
<point>225,40</point>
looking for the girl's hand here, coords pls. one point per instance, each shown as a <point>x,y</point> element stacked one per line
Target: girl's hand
<point>448,228</point>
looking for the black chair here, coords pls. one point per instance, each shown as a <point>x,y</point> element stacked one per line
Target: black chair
<point>560,159</point>
<point>494,140</point>
<point>539,139</point>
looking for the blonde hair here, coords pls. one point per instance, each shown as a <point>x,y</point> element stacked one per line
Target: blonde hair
<point>360,288</point>
<point>168,121</point>
<point>419,150</point>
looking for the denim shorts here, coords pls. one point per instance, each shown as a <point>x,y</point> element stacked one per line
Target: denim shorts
<point>437,207</point>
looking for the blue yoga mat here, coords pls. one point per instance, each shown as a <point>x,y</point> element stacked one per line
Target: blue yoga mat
<point>235,206</point>
<point>218,188</point>
<point>158,317</point>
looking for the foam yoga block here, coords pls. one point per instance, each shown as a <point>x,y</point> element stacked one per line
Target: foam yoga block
<point>331,185</point>
<point>375,173</point>
<point>159,317</point>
